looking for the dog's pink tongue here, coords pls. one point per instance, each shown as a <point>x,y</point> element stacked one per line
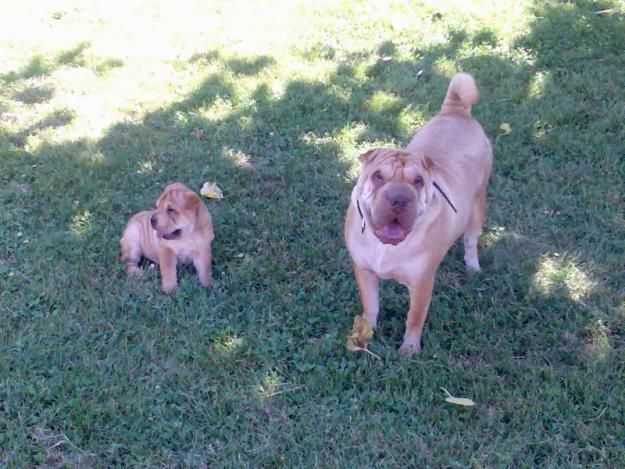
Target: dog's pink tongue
<point>393,231</point>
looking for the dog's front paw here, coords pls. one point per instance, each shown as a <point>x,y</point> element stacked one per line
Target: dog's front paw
<point>207,282</point>
<point>471,262</point>
<point>408,349</point>
<point>169,288</point>
<point>133,271</point>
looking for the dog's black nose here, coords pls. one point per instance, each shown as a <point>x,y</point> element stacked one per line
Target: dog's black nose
<point>153,221</point>
<point>398,200</point>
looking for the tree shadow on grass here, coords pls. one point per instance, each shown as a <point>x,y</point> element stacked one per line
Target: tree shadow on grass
<point>28,83</point>
<point>57,118</point>
<point>35,94</point>
<point>285,296</point>
<point>41,66</point>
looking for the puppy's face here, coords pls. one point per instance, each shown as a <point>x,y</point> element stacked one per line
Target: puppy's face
<point>396,187</point>
<point>176,212</point>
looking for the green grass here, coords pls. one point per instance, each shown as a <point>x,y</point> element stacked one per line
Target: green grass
<point>100,108</point>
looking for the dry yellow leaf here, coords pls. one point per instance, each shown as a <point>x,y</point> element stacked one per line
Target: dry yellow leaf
<point>608,12</point>
<point>463,401</point>
<point>506,128</point>
<point>361,334</point>
<point>211,190</point>
<point>460,401</point>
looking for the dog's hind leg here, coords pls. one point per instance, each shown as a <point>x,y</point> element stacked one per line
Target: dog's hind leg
<point>473,231</point>
<point>131,250</point>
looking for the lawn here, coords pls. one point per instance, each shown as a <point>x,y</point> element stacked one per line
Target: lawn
<point>104,103</point>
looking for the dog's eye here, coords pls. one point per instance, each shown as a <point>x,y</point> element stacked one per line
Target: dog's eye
<point>378,178</point>
<point>418,181</point>
<point>170,210</point>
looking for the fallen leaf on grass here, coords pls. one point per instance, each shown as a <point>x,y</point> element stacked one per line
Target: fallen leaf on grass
<point>212,191</point>
<point>361,334</point>
<point>608,12</point>
<point>463,401</point>
<point>505,127</point>
<point>460,401</point>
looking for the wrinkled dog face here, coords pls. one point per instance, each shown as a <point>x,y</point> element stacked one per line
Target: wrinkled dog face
<point>176,212</point>
<point>396,187</point>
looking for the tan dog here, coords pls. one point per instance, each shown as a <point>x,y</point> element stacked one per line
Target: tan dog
<point>178,231</point>
<point>409,206</point>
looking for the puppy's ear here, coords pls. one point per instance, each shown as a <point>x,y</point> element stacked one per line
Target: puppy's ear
<point>368,156</point>
<point>191,200</point>
<point>163,198</point>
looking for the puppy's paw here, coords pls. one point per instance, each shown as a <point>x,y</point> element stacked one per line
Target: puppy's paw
<point>409,349</point>
<point>169,288</point>
<point>133,271</point>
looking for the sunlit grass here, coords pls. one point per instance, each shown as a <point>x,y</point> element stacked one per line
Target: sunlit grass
<point>113,75</point>
<point>383,102</point>
<point>146,167</point>
<point>228,345</point>
<point>273,384</point>
<point>560,272</point>
<point>81,223</point>
<point>409,119</point>
<point>239,158</point>
<point>539,83</point>
<point>599,347</point>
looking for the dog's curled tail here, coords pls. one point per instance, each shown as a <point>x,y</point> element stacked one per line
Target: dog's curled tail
<point>461,94</point>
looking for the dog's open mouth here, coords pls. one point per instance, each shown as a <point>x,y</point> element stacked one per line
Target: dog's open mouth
<point>391,233</point>
<point>173,235</point>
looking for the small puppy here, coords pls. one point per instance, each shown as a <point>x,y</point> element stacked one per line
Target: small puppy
<point>178,231</point>
<point>409,206</point>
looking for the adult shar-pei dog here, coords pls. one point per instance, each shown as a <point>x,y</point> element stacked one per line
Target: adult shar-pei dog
<point>410,205</point>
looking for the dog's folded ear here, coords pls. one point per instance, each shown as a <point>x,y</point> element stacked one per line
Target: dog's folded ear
<point>428,164</point>
<point>160,202</point>
<point>190,200</point>
<point>165,195</point>
<point>369,155</point>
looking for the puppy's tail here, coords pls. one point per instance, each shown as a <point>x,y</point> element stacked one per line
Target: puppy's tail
<point>461,95</point>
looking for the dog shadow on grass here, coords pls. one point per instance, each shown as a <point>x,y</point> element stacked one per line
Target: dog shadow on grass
<point>285,296</point>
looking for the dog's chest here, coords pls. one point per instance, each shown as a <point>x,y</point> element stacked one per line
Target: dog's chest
<point>186,256</point>
<point>185,253</point>
<point>390,262</point>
